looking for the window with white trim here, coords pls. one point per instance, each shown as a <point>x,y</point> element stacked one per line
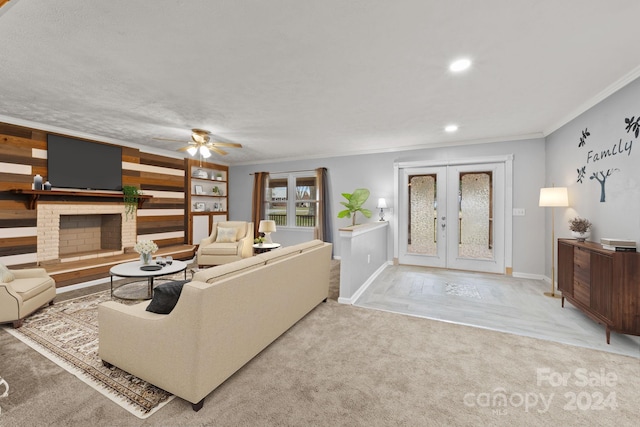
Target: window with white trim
<point>291,199</point>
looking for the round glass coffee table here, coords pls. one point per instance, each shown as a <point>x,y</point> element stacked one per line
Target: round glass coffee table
<point>136,290</point>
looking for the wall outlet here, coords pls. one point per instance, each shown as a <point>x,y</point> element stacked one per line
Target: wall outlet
<point>518,211</point>
<point>368,258</point>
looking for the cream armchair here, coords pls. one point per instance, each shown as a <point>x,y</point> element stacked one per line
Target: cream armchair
<point>22,292</point>
<point>229,241</point>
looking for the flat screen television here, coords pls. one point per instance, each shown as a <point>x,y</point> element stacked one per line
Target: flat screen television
<point>75,163</point>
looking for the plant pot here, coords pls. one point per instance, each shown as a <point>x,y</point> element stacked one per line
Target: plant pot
<point>581,237</point>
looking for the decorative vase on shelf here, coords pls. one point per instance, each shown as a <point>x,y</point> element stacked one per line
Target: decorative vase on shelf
<point>145,258</point>
<point>37,182</point>
<point>581,236</point>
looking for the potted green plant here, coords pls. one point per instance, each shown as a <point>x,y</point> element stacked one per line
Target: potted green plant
<point>580,228</point>
<point>131,196</point>
<point>354,204</point>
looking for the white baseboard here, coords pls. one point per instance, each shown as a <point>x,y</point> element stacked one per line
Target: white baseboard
<point>531,276</point>
<point>364,286</point>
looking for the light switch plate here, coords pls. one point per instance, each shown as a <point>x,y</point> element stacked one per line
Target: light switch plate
<point>518,211</point>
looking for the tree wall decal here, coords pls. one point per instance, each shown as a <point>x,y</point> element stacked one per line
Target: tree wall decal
<point>602,178</point>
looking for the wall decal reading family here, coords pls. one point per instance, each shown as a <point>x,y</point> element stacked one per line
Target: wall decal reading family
<point>619,149</point>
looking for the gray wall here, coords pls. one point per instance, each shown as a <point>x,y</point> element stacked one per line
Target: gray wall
<point>375,172</point>
<point>362,252</point>
<point>619,215</point>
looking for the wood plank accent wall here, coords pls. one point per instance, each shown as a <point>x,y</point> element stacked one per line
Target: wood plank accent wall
<point>23,155</point>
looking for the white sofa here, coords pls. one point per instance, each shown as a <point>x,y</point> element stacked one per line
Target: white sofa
<point>223,318</point>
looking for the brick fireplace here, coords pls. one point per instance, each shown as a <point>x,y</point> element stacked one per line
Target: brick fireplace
<point>71,232</point>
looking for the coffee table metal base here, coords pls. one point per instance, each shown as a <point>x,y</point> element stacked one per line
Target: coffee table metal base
<point>142,289</point>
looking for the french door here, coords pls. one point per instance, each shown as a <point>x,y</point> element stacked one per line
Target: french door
<point>452,216</point>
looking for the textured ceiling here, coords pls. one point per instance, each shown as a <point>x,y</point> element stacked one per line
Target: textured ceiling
<point>303,78</point>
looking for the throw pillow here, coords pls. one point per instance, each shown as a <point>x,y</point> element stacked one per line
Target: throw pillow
<point>5,275</point>
<point>165,297</point>
<point>226,235</point>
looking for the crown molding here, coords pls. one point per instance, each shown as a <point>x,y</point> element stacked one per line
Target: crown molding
<point>607,92</point>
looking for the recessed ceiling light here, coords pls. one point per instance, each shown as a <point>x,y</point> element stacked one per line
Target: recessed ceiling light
<point>451,128</point>
<point>460,65</point>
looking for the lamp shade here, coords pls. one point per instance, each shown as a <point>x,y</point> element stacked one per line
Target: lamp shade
<point>554,197</point>
<point>267,226</point>
<point>382,203</point>
<point>204,151</point>
<point>192,150</point>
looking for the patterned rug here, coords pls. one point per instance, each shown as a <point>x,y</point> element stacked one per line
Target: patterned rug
<point>67,334</point>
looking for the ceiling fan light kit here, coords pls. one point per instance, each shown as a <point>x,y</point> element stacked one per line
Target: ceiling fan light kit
<point>201,144</point>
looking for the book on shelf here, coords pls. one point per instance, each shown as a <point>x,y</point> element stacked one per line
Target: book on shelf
<point>619,248</point>
<point>617,242</point>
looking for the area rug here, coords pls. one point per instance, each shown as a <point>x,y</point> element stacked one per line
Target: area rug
<point>67,334</point>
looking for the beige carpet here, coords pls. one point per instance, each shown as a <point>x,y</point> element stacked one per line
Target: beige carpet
<point>348,366</point>
<point>67,334</point>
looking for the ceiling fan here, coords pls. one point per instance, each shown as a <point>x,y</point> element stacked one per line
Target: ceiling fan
<point>201,143</point>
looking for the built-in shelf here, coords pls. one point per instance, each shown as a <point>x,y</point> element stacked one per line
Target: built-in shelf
<point>34,195</point>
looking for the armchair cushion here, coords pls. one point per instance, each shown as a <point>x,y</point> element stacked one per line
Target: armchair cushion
<point>29,288</point>
<point>221,249</point>
<point>5,275</point>
<point>226,235</point>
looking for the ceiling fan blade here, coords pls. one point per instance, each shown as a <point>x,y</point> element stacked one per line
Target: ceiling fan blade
<point>186,148</point>
<point>217,150</point>
<point>226,144</point>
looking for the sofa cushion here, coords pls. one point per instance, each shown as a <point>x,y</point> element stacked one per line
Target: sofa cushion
<point>220,249</point>
<point>165,297</point>
<point>6,276</point>
<point>226,235</point>
<point>219,272</point>
<point>28,288</point>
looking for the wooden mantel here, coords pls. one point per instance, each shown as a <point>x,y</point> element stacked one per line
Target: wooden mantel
<point>35,195</point>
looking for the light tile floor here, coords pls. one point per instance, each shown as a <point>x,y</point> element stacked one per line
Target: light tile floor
<point>490,301</point>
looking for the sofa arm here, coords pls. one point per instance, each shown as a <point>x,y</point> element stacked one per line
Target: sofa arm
<point>10,303</point>
<point>245,245</point>
<point>158,348</point>
<point>210,238</point>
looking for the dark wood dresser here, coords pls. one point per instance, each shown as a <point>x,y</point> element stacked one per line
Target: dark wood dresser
<point>604,284</point>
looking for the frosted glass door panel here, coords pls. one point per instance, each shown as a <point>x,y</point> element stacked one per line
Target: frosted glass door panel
<point>423,229</point>
<point>477,243</point>
<point>474,214</point>
<point>422,215</point>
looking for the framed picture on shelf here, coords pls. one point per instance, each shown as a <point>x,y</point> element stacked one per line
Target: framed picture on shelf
<point>199,189</point>
<point>198,207</point>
